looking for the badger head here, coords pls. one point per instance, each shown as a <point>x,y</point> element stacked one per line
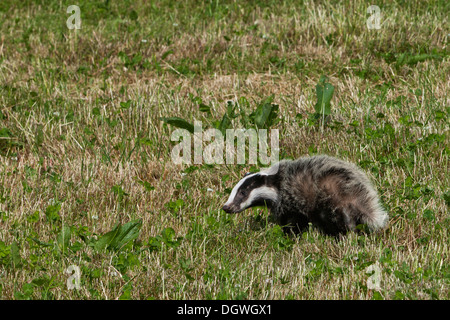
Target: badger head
<point>255,189</point>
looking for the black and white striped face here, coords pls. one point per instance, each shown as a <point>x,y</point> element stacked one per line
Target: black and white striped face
<point>253,190</point>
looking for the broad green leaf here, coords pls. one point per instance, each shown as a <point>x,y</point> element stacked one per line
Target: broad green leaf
<point>96,111</point>
<point>39,135</point>
<point>127,233</point>
<point>15,255</point>
<point>41,282</point>
<point>324,92</point>
<point>168,234</point>
<point>231,108</point>
<point>41,243</point>
<point>126,295</point>
<point>179,123</point>
<point>125,105</point>
<point>224,124</point>
<point>145,141</point>
<point>5,133</point>
<point>429,214</point>
<point>145,184</point>
<point>133,15</point>
<point>63,238</point>
<point>167,237</point>
<point>265,115</point>
<point>52,212</point>
<point>119,192</point>
<point>119,236</point>
<point>5,251</point>
<point>175,205</point>
<point>412,59</point>
<point>446,197</point>
<point>104,241</point>
<point>204,108</point>
<point>154,242</point>
<point>377,296</point>
<point>27,289</point>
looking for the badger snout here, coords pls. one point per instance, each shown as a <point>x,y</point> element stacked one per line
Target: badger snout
<point>230,208</point>
<point>227,208</point>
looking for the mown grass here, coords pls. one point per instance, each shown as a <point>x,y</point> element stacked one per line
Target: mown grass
<point>83,148</point>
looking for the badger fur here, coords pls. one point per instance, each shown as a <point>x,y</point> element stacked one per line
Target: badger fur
<point>333,195</point>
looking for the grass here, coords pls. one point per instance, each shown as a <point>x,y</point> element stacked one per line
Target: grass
<point>86,172</point>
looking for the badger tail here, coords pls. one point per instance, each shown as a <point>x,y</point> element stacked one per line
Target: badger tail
<point>377,218</point>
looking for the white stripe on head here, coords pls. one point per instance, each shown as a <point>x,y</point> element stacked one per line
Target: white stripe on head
<point>263,192</point>
<point>236,188</point>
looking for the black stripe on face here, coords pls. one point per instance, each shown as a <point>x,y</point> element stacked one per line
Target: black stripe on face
<point>246,185</point>
<point>249,184</point>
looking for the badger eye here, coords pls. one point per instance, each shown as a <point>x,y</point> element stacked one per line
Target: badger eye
<point>242,193</point>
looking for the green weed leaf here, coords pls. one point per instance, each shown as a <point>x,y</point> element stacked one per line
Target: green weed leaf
<point>145,184</point>
<point>119,236</point>
<point>265,115</point>
<point>15,255</point>
<point>63,238</point>
<point>167,237</point>
<point>119,192</point>
<point>224,124</point>
<point>39,135</point>
<point>52,212</point>
<point>179,123</point>
<point>204,108</point>
<point>324,93</point>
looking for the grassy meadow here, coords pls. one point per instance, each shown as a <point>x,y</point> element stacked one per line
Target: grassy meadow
<point>90,196</point>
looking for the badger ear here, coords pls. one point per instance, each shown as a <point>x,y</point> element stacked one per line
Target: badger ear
<point>272,180</point>
<point>273,170</point>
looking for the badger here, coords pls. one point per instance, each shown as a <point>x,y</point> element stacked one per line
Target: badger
<point>333,195</point>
